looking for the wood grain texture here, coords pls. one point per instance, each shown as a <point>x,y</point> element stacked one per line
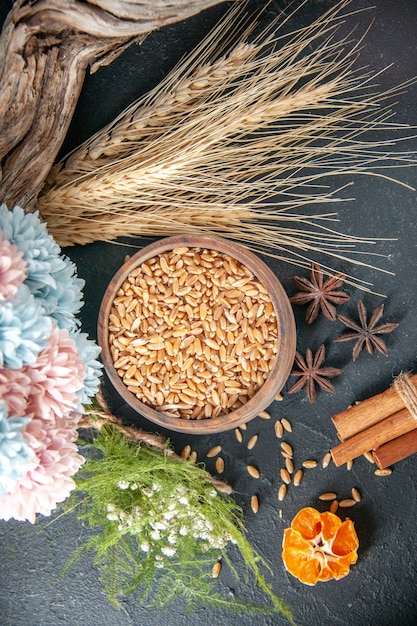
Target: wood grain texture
<point>368,412</point>
<point>396,450</point>
<point>46,47</point>
<point>371,438</point>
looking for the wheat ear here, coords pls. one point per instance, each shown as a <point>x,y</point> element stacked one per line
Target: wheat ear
<point>244,154</point>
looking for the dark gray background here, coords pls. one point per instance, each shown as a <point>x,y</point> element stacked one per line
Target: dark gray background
<point>381,588</point>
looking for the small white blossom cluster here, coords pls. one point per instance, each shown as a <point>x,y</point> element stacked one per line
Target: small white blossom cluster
<point>161,531</point>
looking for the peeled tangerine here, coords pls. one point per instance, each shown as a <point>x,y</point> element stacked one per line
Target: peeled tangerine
<point>319,546</point>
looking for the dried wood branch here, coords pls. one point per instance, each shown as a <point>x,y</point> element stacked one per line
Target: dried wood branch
<point>46,47</point>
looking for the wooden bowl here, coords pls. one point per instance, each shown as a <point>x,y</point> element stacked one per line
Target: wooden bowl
<point>281,366</point>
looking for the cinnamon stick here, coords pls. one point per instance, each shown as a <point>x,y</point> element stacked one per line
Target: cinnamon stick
<point>371,438</point>
<point>368,412</point>
<point>396,450</point>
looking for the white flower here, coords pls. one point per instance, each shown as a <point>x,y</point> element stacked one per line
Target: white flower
<point>172,539</point>
<point>183,500</point>
<point>168,515</point>
<point>183,531</point>
<point>133,486</point>
<point>123,484</point>
<point>113,517</point>
<point>111,508</point>
<point>144,546</point>
<point>155,534</point>
<point>168,551</point>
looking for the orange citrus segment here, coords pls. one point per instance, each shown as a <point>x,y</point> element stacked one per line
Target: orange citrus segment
<point>307,522</point>
<point>330,524</point>
<point>346,539</point>
<point>319,546</point>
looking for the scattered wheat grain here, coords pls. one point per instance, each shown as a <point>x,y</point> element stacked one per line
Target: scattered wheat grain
<point>219,465</point>
<point>286,448</point>
<point>298,477</point>
<point>253,471</point>
<point>216,569</point>
<point>334,506</point>
<point>289,464</point>
<point>346,503</point>
<point>328,495</point>
<point>386,471</point>
<point>282,491</point>
<point>186,451</point>
<point>238,435</point>
<point>356,495</point>
<point>214,451</point>
<point>326,460</point>
<point>369,457</point>
<point>285,476</point>
<point>286,424</point>
<point>252,442</point>
<point>309,464</point>
<point>279,429</point>
<point>254,502</point>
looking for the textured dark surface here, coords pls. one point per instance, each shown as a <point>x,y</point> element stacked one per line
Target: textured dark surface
<point>381,588</point>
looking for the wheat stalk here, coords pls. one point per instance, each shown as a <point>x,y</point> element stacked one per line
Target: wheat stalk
<point>234,143</point>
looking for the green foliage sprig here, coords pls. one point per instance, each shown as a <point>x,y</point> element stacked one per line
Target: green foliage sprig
<point>161,526</point>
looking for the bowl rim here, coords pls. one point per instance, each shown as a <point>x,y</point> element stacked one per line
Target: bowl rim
<point>279,372</point>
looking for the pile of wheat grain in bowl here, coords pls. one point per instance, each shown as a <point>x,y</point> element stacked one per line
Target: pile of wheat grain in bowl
<point>193,333</point>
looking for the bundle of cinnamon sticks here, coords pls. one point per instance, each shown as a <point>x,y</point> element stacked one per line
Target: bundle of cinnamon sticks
<point>385,424</point>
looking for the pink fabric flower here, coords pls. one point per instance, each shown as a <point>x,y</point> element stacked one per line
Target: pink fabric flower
<point>49,387</point>
<point>56,377</point>
<point>12,269</point>
<point>50,480</point>
<point>15,386</point>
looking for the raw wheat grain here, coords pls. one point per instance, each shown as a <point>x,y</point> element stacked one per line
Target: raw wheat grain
<point>282,492</point>
<point>309,464</point>
<point>216,569</point>
<point>214,451</point>
<point>347,503</point>
<point>326,460</point>
<point>289,464</point>
<point>298,477</point>
<point>386,471</point>
<point>219,465</point>
<point>171,355</point>
<point>285,476</point>
<point>328,495</point>
<point>254,502</point>
<point>279,429</point>
<point>286,449</point>
<point>253,471</point>
<point>334,506</point>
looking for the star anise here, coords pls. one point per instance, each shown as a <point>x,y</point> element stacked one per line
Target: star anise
<point>366,334</point>
<point>320,293</point>
<point>311,373</point>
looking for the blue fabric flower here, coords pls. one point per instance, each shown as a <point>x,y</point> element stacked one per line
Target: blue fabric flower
<point>88,352</point>
<point>24,330</point>
<point>52,278</point>
<point>29,234</point>
<point>64,299</point>
<point>15,453</point>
